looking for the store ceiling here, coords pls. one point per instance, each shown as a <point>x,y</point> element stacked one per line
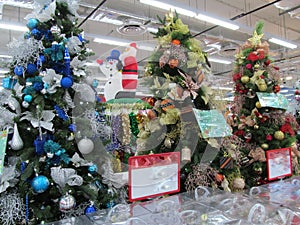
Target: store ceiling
<point>279,20</point>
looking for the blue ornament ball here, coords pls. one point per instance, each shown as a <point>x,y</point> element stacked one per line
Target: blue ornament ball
<point>28,98</point>
<point>66,82</point>
<point>40,184</point>
<point>18,70</point>
<point>36,34</point>
<point>90,209</point>
<point>31,68</point>
<point>32,23</point>
<point>93,169</point>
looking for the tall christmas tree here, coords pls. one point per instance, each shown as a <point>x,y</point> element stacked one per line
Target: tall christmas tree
<point>177,73</point>
<point>258,117</point>
<point>47,108</point>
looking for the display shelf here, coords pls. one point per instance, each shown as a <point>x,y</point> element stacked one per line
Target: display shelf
<point>275,203</point>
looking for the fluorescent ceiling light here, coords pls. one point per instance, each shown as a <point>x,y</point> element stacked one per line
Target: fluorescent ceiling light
<point>216,60</point>
<point>219,22</point>
<point>6,56</point>
<point>152,29</point>
<point>282,43</point>
<point>123,42</point>
<point>12,26</point>
<point>111,21</point>
<point>183,10</point>
<point>111,41</point>
<point>169,6</point>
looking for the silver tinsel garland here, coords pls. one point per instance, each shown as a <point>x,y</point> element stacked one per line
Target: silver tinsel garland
<point>12,209</point>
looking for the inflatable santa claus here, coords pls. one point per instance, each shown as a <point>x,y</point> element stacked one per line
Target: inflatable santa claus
<point>130,68</point>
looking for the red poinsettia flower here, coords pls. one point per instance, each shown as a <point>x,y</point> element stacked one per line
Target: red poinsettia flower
<point>252,57</point>
<point>286,128</point>
<point>269,137</point>
<point>236,77</point>
<point>239,133</point>
<point>261,54</point>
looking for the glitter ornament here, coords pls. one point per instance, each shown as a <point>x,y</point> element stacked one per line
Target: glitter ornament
<point>28,98</point>
<point>25,104</point>
<point>55,30</point>
<point>16,142</point>
<point>40,184</point>
<point>66,203</point>
<point>93,169</point>
<point>90,209</point>
<point>86,145</point>
<point>264,146</point>
<point>279,135</point>
<point>66,82</point>
<point>31,68</point>
<point>32,23</point>
<point>238,183</point>
<point>18,70</point>
<point>37,34</point>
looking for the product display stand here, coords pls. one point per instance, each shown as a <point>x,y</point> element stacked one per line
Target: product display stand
<point>274,203</point>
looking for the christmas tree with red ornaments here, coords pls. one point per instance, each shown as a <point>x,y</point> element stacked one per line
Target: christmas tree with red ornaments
<point>263,131</point>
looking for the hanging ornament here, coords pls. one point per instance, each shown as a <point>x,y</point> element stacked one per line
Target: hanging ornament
<point>66,82</point>
<point>264,146</point>
<point>39,143</point>
<point>55,30</point>
<point>186,154</point>
<point>40,184</point>
<point>258,105</point>
<point>31,68</point>
<point>25,104</point>
<point>245,79</point>
<point>90,209</point>
<point>28,98</point>
<point>256,127</point>
<point>66,203</point>
<point>18,70</point>
<point>32,23</point>
<point>67,60</point>
<point>86,145</point>
<point>279,135</point>
<point>238,184</point>
<point>16,142</point>
<point>93,169</point>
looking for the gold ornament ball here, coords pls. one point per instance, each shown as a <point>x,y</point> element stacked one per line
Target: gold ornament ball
<point>256,66</point>
<point>264,146</point>
<point>258,105</point>
<point>238,183</point>
<point>245,79</point>
<point>256,127</point>
<point>262,87</point>
<point>279,135</point>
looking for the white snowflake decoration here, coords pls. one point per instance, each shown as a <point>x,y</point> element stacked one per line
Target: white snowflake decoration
<point>23,51</point>
<point>12,209</point>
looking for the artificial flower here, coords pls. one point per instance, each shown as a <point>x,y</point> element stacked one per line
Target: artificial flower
<point>252,57</point>
<point>249,66</point>
<point>286,128</point>
<point>236,77</point>
<point>269,137</point>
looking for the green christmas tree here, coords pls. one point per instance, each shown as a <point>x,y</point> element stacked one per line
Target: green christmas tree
<point>48,107</point>
<point>176,74</point>
<point>258,117</point>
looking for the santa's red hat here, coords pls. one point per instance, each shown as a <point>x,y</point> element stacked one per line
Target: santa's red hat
<point>133,44</point>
